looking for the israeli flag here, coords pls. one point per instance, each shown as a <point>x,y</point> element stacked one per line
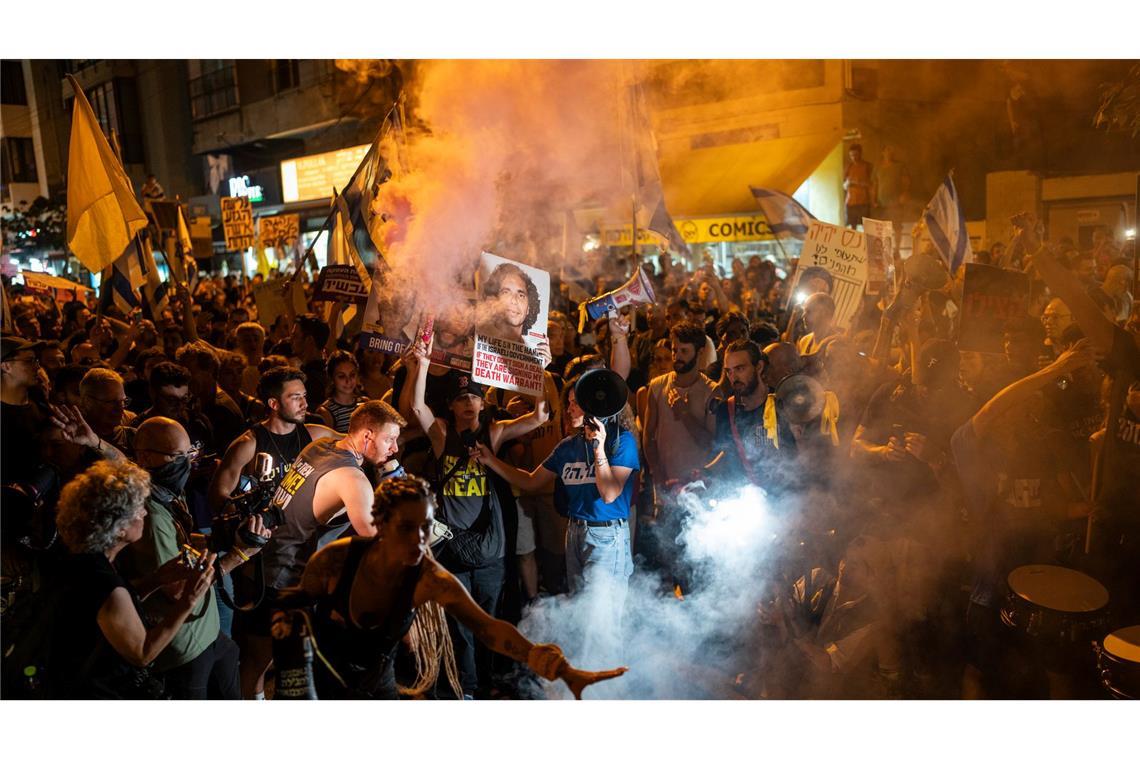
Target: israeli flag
<point>947,225</point>
<point>785,215</point>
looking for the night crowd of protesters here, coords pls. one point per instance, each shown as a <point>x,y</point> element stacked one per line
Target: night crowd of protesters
<point>910,478</point>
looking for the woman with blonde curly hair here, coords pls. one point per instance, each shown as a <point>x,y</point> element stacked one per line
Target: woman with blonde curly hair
<point>101,646</point>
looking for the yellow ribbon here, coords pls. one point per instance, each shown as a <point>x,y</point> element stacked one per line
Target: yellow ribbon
<point>770,420</point>
<point>828,420</point>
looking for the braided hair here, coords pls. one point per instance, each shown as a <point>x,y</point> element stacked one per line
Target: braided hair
<point>429,636</point>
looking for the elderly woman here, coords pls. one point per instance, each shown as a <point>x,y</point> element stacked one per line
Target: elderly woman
<point>101,646</point>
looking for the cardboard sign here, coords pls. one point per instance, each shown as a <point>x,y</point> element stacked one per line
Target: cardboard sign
<point>880,252</point>
<point>393,316</point>
<point>991,297</point>
<point>510,323</point>
<point>271,302</point>
<point>279,231</point>
<point>842,253</point>
<point>340,282</point>
<point>237,222</point>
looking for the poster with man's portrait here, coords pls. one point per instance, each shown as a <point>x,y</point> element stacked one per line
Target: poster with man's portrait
<point>510,327</point>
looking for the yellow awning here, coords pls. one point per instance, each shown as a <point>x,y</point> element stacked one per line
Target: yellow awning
<point>715,180</point>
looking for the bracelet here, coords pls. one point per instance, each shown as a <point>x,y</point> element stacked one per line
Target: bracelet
<point>240,553</point>
<point>601,461</point>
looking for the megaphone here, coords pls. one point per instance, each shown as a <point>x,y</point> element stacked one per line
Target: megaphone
<point>800,398</point>
<point>601,393</point>
<point>926,270</point>
<point>638,289</point>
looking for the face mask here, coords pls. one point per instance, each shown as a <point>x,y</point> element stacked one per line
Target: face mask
<point>171,476</point>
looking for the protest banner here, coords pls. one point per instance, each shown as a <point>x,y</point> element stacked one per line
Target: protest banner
<point>279,231</point>
<point>237,223</point>
<point>271,301</point>
<point>991,297</point>
<point>511,322</point>
<point>842,253</point>
<point>880,252</point>
<point>393,316</point>
<point>340,282</point>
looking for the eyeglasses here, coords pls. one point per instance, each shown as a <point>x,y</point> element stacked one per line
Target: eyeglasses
<point>124,402</point>
<point>1055,317</point>
<point>32,360</point>
<point>191,453</point>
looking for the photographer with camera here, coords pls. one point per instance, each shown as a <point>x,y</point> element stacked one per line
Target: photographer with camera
<point>324,492</point>
<point>200,659</point>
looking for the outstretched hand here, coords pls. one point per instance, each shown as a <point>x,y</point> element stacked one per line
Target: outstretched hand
<point>75,429</point>
<point>578,680</point>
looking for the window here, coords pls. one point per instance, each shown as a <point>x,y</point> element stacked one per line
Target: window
<point>115,103</point>
<point>213,88</point>
<point>286,75</point>
<point>18,156</point>
<point>74,66</point>
<point>12,90</point>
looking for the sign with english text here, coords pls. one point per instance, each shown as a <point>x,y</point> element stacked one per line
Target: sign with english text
<point>510,323</point>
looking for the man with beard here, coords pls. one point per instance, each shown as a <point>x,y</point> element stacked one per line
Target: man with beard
<point>744,448</point>
<point>678,426</point>
<point>323,493</point>
<point>514,304</point>
<point>282,436</point>
<point>678,429</point>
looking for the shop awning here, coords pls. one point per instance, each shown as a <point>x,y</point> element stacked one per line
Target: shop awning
<point>715,180</point>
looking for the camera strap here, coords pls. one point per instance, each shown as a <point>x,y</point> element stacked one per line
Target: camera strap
<point>739,443</point>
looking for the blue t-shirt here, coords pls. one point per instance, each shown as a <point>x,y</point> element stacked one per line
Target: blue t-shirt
<point>575,492</point>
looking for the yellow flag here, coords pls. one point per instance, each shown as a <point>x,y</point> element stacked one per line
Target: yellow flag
<point>262,259</point>
<point>102,213</point>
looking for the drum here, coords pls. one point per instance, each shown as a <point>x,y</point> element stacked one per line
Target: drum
<point>1055,605</point>
<point>1118,662</point>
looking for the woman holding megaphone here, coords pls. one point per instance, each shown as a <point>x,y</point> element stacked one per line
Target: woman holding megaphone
<point>592,472</point>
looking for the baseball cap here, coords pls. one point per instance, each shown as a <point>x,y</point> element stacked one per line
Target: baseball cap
<point>937,363</point>
<point>462,385</point>
<point>13,344</point>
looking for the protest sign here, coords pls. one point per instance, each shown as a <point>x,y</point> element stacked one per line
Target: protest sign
<point>237,223</point>
<point>842,253</point>
<point>991,297</point>
<point>392,317</point>
<point>340,282</point>
<point>271,301</point>
<point>880,252</point>
<point>511,322</point>
<point>279,231</point>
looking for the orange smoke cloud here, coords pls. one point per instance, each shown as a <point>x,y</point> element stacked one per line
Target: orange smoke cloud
<point>507,148</point>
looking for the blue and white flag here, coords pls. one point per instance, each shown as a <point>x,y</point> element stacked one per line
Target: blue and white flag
<point>947,225</point>
<point>354,207</point>
<point>121,281</point>
<point>786,217</point>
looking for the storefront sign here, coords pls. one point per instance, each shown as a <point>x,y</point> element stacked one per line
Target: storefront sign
<point>237,222</point>
<point>241,187</point>
<point>709,229</point>
<point>313,177</point>
<point>279,231</point>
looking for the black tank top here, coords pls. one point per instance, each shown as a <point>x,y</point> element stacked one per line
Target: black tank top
<point>283,448</point>
<point>363,657</point>
<point>292,544</point>
<point>464,485</point>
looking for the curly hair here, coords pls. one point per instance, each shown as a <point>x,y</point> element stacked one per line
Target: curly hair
<point>495,281</point>
<point>198,355</point>
<point>393,491</point>
<point>97,505</point>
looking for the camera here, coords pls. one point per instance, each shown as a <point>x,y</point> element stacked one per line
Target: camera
<point>228,526</point>
<point>28,517</point>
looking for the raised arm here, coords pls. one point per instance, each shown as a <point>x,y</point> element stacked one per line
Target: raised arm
<point>1068,288</point>
<point>1080,355</point>
<point>508,430</point>
<point>620,360</point>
